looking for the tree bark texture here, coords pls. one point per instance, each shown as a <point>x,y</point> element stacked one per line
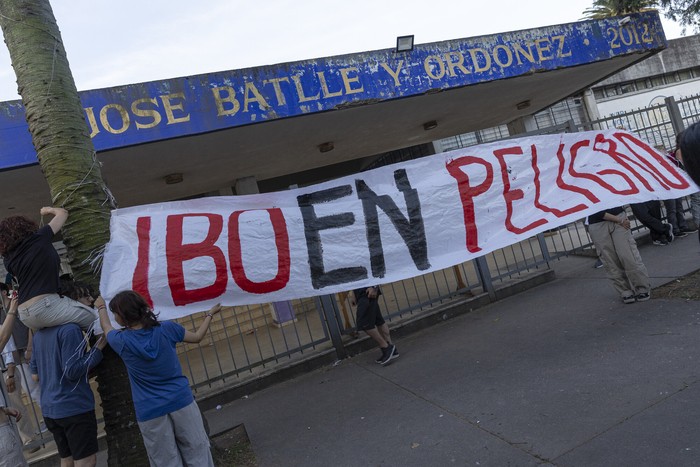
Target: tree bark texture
<point>67,158</point>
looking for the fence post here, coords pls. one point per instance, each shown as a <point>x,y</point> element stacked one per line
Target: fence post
<point>675,114</point>
<point>482,269</point>
<point>329,309</point>
<point>543,247</point>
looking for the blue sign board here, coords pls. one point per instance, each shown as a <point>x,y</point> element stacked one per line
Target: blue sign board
<point>147,112</point>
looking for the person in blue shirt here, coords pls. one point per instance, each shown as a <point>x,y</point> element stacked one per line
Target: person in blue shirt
<point>61,365</point>
<point>170,421</point>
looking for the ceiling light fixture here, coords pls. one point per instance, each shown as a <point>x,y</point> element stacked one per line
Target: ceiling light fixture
<point>523,105</point>
<point>431,125</point>
<point>172,179</point>
<point>326,147</point>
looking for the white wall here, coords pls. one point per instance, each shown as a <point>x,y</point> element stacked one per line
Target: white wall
<point>633,101</point>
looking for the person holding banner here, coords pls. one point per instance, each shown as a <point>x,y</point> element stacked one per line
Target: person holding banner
<point>369,319</point>
<point>610,232</point>
<point>170,421</point>
<point>649,214</point>
<point>10,444</point>
<point>60,364</point>
<point>29,255</point>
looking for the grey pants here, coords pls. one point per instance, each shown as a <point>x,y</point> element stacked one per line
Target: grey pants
<point>10,447</point>
<point>177,439</point>
<point>54,310</point>
<point>622,261</point>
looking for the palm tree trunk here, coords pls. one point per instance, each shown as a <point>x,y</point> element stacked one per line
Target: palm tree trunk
<point>67,158</point>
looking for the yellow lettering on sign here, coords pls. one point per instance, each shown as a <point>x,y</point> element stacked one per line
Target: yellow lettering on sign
<point>141,112</point>
<point>394,74</point>
<point>169,107</point>
<point>123,114</point>
<point>520,52</point>
<point>543,47</point>
<point>347,80</point>
<point>429,69</point>
<point>228,104</point>
<point>300,91</point>
<point>451,65</point>
<point>475,59</point>
<point>90,114</point>
<point>508,56</point>
<point>253,95</point>
<point>559,40</point>
<point>278,90</point>
<point>324,86</point>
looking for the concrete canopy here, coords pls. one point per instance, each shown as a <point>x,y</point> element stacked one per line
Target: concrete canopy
<point>268,122</point>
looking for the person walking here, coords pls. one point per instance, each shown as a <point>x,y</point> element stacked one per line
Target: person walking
<point>369,319</point>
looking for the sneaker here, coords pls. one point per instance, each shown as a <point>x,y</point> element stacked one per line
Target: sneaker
<point>679,234</point>
<point>629,299</point>
<point>29,448</point>
<point>598,264</point>
<point>388,354</point>
<point>688,230</point>
<point>42,429</point>
<point>669,233</point>
<point>643,297</point>
<point>396,355</point>
<point>659,242</point>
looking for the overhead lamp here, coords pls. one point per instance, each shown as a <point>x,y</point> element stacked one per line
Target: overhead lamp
<point>173,178</point>
<point>404,43</point>
<point>431,125</point>
<point>326,147</point>
<point>523,105</point>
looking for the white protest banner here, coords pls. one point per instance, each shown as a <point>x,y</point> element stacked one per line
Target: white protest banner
<point>379,226</point>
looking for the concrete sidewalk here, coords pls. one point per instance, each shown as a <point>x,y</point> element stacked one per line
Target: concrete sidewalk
<point>562,374</point>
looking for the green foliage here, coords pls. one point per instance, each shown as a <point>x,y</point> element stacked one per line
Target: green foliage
<point>685,12</point>
<point>67,157</point>
<point>607,8</point>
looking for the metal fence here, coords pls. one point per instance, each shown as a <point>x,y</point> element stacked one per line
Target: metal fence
<point>244,341</point>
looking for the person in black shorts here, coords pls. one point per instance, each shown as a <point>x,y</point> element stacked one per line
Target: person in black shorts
<point>61,367</point>
<point>369,319</point>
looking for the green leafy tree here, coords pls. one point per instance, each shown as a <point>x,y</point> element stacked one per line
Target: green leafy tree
<point>67,158</point>
<point>685,12</point>
<point>607,8</point>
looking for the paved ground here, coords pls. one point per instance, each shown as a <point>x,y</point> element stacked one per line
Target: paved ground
<point>563,374</point>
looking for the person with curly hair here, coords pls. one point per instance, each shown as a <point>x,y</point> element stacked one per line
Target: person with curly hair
<point>30,257</point>
<point>170,421</point>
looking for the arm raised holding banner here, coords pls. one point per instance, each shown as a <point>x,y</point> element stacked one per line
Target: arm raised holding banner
<point>147,347</point>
